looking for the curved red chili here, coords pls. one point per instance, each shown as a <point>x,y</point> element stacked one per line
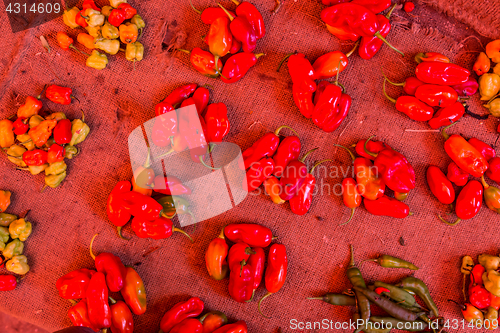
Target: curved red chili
<point>257,173</point>
<point>436,95</point>
<point>238,327</point>
<point>253,16</point>
<point>201,98</point>
<point>252,234</point>
<point>288,150</point>
<point>293,177</point>
<point>161,228</point>
<point>74,284</point>
<point>118,215</point>
<point>170,185</point>
<point>370,46</point>
<point>468,202</point>
<point>304,100</point>
<point>302,72</point>
<point>241,281</point>
<point>189,325</point>
<point>440,186</point>
<point>97,302</point>
<point>217,122</point>
<point>121,318</point>
<point>178,95</point>
<point>372,146</point>
<point>79,316</point>
<point>386,206</point>
<point>265,146</point>
<point>238,65</point>
<point>277,266</point>
<point>448,115</point>
<point>111,266</point>
<point>409,85</point>
<point>441,73</point>
<point>181,311</point>
<point>257,261</point>
<point>411,106</point>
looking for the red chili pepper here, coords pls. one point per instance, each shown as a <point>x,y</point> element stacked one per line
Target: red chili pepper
<point>74,284</point>
<point>201,97</point>
<point>468,88</point>
<point>265,146</point>
<point>436,95</point>
<point>372,146</point>
<point>457,175</point>
<point>253,16</point>
<point>479,297</point>
<point>237,253</point>
<point>257,261</point>
<point>351,196</point>
<point>409,6</point>
<point>64,41</point>
<point>301,203</point>
<point>386,206</point>
<point>219,38</point>
<point>193,129</point>
<point>493,171</point>
<point>252,234</point>
<point>165,126</point>
<point>277,265</point>
<point>180,94</point>
<point>141,205</point>
<point>410,85</point>
<point>293,177</point>
<point>468,202</point>
<point>133,292</point>
<point>304,100</point>
<point>217,122</point>
<point>110,265</point>
<point>331,63</point>
<point>381,290</point>
<point>302,72</point>
<point>210,14</point>
<point>235,47</point>
<point>441,73</point>
<point>319,90</point>
<point>204,62</point>
<point>189,325</point>
<point>99,312</point>
<point>182,310</point>
<point>8,282</point>
<point>79,316</point>
<point>20,126</point>
<point>62,132</point>
<point>440,186</point>
<point>257,173</point>
<point>448,115</point>
<point>90,4</point>
<point>238,327</point>
<point>288,150</point>
<point>375,6</point>
<point>342,33</point>
<point>485,149</point>
<point>117,214</point>
<point>55,154</point>
<point>431,57</point>
<point>331,109</point>
<point>241,281</point>
<point>116,17</point>
<point>495,302</point>
<point>215,258</point>
<point>212,321</point>
<point>242,31</point>
<point>170,185</point>
<point>161,228</point>
<point>80,20</point>
<point>411,106</point>
<point>370,46</point>
<point>128,9</point>
<point>238,65</point>
<point>58,94</point>
<point>30,107</point>
<point>396,171</point>
<point>476,275</point>
<point>121,318</point>
<point>35,157</point>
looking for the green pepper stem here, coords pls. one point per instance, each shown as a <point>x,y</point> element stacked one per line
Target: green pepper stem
<point>260,302</point>
<point>366,145</point>
<point>251,298</point>
<point>168,216</point>
<point>318,298</point>
<point>167,153</point>
<point>278,130</point>
<point>351,263</point>
<point>449,223</point>
<point>443,131</point>
<point>184,233</point>
<point>236,2</point>
<point>112,300</point>
<point>348,150</point>
<point>225,11</point>
<point>350,218</point>
<point>259,55</point>
<point>318,163</point>
<point>283,61</point>
<point>74,48</point>
<point>196,10</point>
<point>307,154</point>
<point>348,54</point>
<point>419,56</point>
<point>208,166</point>
<point>90,247</point>
<point>400,84</point>
<point>390,11</point>
<point>119,231</point>
<point>147,164</point>
<point>379,36</point>
<point>83,116</point>
<point>43,90</point>
<point>185,51</point>
<point>485,184</point>
<point>385,93</point>
<point>277,7</point>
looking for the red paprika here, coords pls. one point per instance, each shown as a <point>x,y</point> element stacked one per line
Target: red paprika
<point>485,149</point>
<point>265,146</point>
<point>257,261</point>
<point>304,101</point>
<point>8,282</point>
<point>99,312</point>
<point>436,95</point>
<point>170,185</point>
<point>372,146</point>
<point>189,325</point>
<point>493,171</point>
<point>410,84</point>
<point>293,177</point>
<point>160,228</point>
<point>121,318</point>
<point>212,321</point>
<point>468,202</point>
<point>215,258</point>
<point>242,31</point>
<point>116,17</point>
<point>238,327</point>
<point>35,157</point>
<point>375,6</point>
<point>62,132</point>
<point>110,265</point>
<point>241,281</point>
<point>331,109</point>
<point>440,186</point>
<point>370,46</point>
<point>457,175</point>
<point>117,214</point>
<point>277,266</point>
<point>133,292</point>
<point>20,126</point>
<point>479,297</point>
<point>181,311</point>
<point>178,95</point>
<point>238,65</point>
<point>288,150</point>
<point>386,206</point>
<point>448,115</point>
<point>201,97</point>
<point>441,73</point>
<point>411,106</point>
<point>141,205</point>
<point>58,94</point>
<point>237,253</point>
<point>74,284</point>
<point>252,234</point>
<point>302,72</point>
<point>128,10</point>
<point>257,173</point>
<point>217,122</point>
<point>55,154</point>
<point>253,16</point>
<point>79,316</point>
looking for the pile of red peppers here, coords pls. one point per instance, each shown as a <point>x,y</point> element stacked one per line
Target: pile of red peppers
<point>378,168</point>
<point>244,261</point>
<point>39,141</point>
<point>88,290</point>
<point>231,33</point>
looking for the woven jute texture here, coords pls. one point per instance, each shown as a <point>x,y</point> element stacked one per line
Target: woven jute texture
<point>118,99</point>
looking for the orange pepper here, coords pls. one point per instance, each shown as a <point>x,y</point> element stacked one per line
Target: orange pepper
<point>273,189</point>
<point>215,257</point>
<point>29,108</point>
<point>468,158</point>
<point>431,56</point>
<point>351,196</point>
<point>342,34</point>
<point>128,33</point>
<point>493,50</point>
<point>7,137</point>
<point>86,40</point>
<point>41,133</point>
<point>219,38</point>
<point>482,64</point>
<point>64,41</point>
<point>4,200</point>
<point>495,302</point>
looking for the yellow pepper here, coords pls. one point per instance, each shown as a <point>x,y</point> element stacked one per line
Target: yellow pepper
<point>69,17</point>
<point>109,31</point>
<point>491,281</point>
<point>94,31</point>
<point>36,169</point>
<point>4,200</point>
<point>106,10</point>
<point>20,229</point>
<point>7,219</point>
<point>26,141</point>
<point>80,131</point>
<point>4,235</point>
<point>35,121</point>
<point>139,22</point>
<point>12,249</point>
<point>272,187</point>
<point>494,107</point>
<point>41,133</point>
<point>94,18</point>
<point>15,153</point>
<point>493,50</point>
<point>489,86</point>
<point>56,168</point>
<point>97,60</point>
<point>18,265</point>
<point>55,180</point>
<point>128,33</point>
<point>86,40</point>
<point>116,3</point>
<point>111,46</point>
<point>7,137</point>
<point>489,262</point>
<point>56,116</point>
<point>134,52</point>
<point>491,319</point>
<point>71,151</point>
<point>496,69</point>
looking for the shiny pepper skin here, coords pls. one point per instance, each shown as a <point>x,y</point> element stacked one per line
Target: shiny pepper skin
<point>375,6</point>
<point>181,311</point>
<point>189,325</point>
<point>349,14</point>
<point>493,171</point>
<point>30,108</point>
<point>448,115</point>
<point>8,282</point>
<point>215,258</point>
<point>62,132</point>
<point>42,132</point>
<point>273,189</point>
<point>482,64</point>
<point>133,292</point>
<point>35,157</point>
<point>201,98</point>
<point>160,228</point>
<point>242,31</point>
<point>371,184</point>
<point>329,64</point>
<point>431,57</point>
<point>288,150</point>
<point>397,173</point>
<point>257,173</point>
<point>55,154</point>
<point>254,235</point>
<point>342,33</point>
<point>370,46</point>
<point>238,65</point>
<point>74,284</point>
<point>238,327</point>
<point>465,155</point>
<point>116,17</point>
<point>128,33</point>
<point>128,9</point>
<point>468,88</point>
<point>479,297</point>
<point>217,122</point>
<point>257,261</point>
<point>121,318</point>
<point>212,321</point>
<point>254,17</point>
<point>386,206</point>
<point>440,186</point>
<point>58,94</point>
<point>241,282</point>
<point>238,253</point>
<point>64,41</point>
<point>301,203</point>
<point>493,50</point>
<point>441,73</point>
<point>304,100</point>
<point>302,73</point>
<point>219,38</point>
<point>411,106</point>
<point>265,146</point>
<point>116,213</point>
<point>435,95</point>
<point>80,20</point>
<point>469,200</point>
<point>276,271</point>
<point>178,95</point>
<point>78,314</point>
<point>86,40</point>
<point>210,14</point>
<point>204,62</point>
<point>485,149</point>
<point>331,108</point>
<point>7,137</point>
<point>457,175</point>
<point>69,17</point>
<point>351,196</point>
<point>97,302</point>
<point>372,146</point>
<point>472,315</point>
<point>114,269</point>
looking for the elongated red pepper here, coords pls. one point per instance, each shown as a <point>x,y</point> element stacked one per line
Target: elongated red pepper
<point>468,202</point>
<point>304,101</point>
<point>141,205</point>
<point>468,88</point>
<point>178,95</point>
<point>431,57</point>
<point>254,17</point>
<point>331,109</point>
<point>238,65</point>
<point>441,73</point>
<point>74,284</point>
<point>193,307</point>
<point>457,175</point>
<point>193,128</point>
<point>189,325</point>
<point>241,282</point>
<point>117,214</point>
<point>257,261</point>
<point>493,171</point>
<point>351,196</point>
<point>277,266</point>
<point>387,206</point>
<point>319,91</point>
<point>476,275</point>
<point>210,14</point>
<point>161,228</point>
<point>217,122</point>
<point>215,258</point>
<point>370,46</point>
<point>238,327</point>
<point>411,106</point>
<point>212,321</point>
<point>9,282</point>
<point>219,38</point>
<point>170,185</point>
<point>375,6</point>
<point>35,157</point>
<point>440,186</point>
<point>448,115</point>
<point>302,72</point>
<point>301,203</point>
<point>342,33</point>
<point>242,30</point>
<point>204,62</point>
<point>133,292</point>
<point>55,154</point>
<point>121,318</point>
<point>436,95</point>
<point>111,266</point>
<point>79,316</point>
<point>201,98</point>
<point>331,63</point>
<point>58,94</point>
<point>257,173</point>
<point>252,234</point>
<point>237,253</point>
<point>166,124</point>
<point>97,302</point>
<point>485,149</point>
<point>288,150</point>
<point>372,146</point>
<point>293,177</point>
<point>62,132</point>
<point>20,126</point>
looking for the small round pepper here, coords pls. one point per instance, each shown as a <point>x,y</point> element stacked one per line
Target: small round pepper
<point>128,33</point>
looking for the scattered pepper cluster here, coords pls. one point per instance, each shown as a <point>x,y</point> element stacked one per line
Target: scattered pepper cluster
<point>229,33</point>
<point>92,288</point>
<point>13,233</point>
<point>181,318</point>
<point>437,83</point>
<point>37,141</point>
<point>377,167</point>
<point>482,293</point>
<point>244,261</point>
<point>396,300</point>
<point>489,83</point>
<point>106,28</point>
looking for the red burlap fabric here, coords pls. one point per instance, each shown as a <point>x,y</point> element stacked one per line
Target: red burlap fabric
<point>117,100</point>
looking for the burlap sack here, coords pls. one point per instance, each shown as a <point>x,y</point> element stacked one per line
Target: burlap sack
<point>118,99</point>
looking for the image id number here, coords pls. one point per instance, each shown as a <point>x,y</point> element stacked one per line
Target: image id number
<point>39,8</point>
